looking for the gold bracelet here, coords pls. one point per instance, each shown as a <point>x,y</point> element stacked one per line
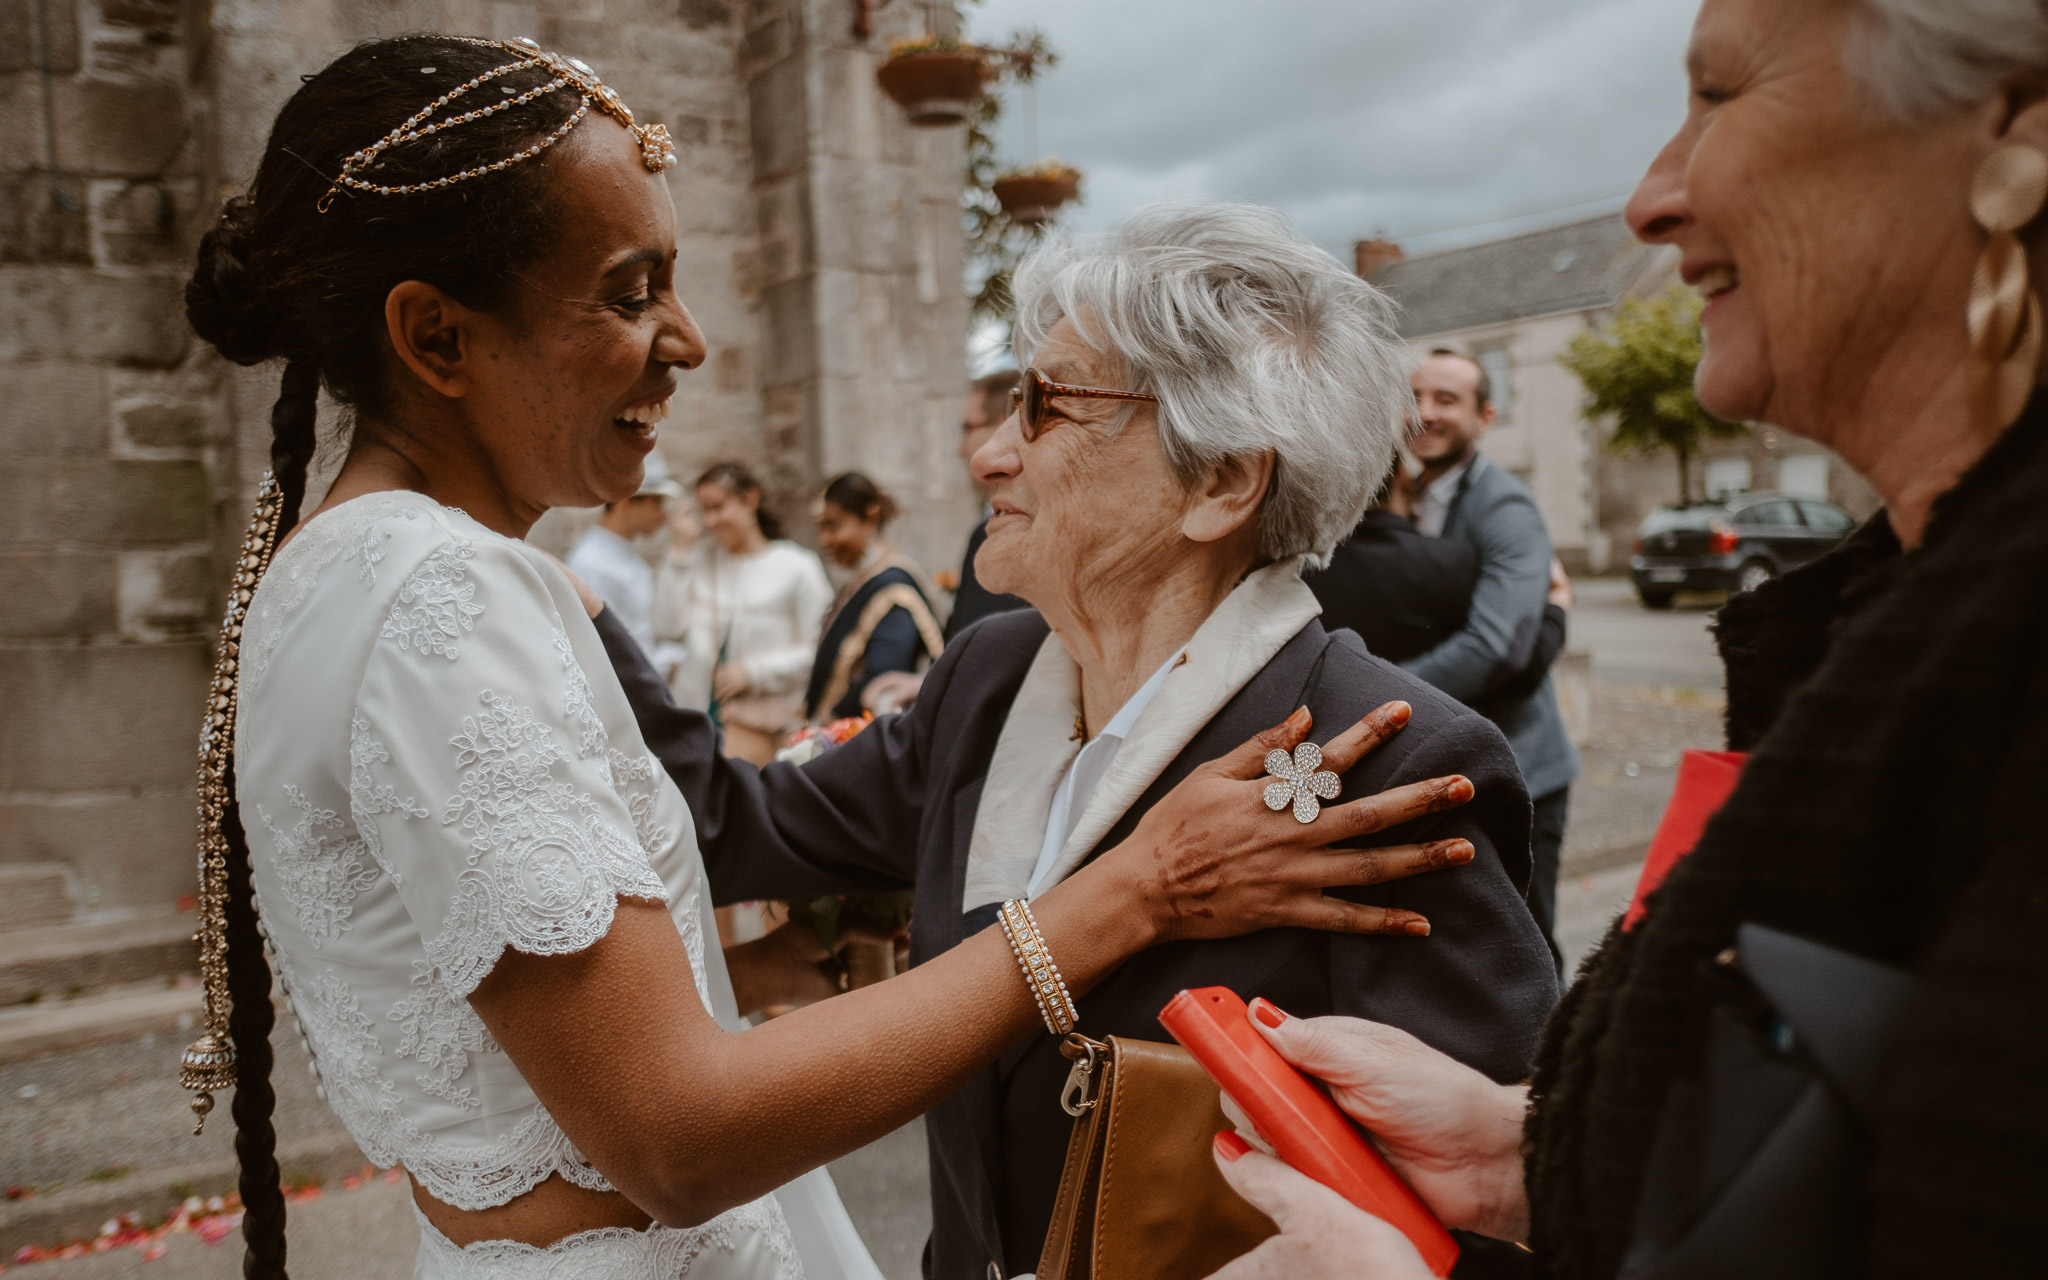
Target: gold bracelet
<point>1041,975</point>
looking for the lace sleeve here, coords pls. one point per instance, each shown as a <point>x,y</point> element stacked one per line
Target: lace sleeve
<point>479,770</point>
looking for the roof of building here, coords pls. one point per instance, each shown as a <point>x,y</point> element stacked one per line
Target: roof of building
<point>1580,266</point>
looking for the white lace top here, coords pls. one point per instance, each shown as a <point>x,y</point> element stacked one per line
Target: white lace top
<point>428,775</point>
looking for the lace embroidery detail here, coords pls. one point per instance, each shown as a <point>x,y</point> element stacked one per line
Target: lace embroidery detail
<point>321,875</point>
<point>366,798</point>
<point>437,604</point>
<point>615,1253</point>
<point>581,707</point>
<point>440,1030</point>
<point>352,529</point>
<point>344,1045</point>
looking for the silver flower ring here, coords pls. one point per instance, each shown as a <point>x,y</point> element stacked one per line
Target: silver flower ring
<point>1302,779</point>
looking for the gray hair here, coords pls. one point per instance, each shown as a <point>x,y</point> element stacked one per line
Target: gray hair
<point>1926,58</point>
<point>1253,339</point>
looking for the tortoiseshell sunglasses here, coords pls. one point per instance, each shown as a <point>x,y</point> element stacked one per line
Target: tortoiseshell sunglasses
<point>1032,401</point>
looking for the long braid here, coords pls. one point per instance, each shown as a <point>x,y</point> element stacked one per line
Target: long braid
<point>293,422</point>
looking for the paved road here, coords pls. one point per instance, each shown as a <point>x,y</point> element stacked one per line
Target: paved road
<point>1656,691</point>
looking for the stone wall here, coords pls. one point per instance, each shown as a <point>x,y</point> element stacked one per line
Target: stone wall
<point>109,452</point>
<point>820,251</point>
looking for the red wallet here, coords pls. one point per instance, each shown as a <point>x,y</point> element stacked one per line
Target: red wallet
<point>1705,781</point>
<point>1298,1118</point>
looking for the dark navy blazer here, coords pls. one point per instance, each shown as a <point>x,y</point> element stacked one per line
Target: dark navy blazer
<point>894,808</point>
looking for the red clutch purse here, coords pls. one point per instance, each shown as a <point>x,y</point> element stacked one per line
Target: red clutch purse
<point>1705,781</point>
<point>1298,1118</point>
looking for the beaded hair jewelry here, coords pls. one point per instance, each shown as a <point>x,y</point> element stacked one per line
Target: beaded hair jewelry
<point>657,151</point>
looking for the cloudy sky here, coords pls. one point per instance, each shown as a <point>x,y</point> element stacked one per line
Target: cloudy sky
<point>1440,122</point>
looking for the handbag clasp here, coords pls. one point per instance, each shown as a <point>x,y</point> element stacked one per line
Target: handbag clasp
<point>1078,1098</point>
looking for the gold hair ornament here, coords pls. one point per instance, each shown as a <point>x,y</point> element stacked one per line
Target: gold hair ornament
<point>657,150</point>
<point>2007,193</point>
<point>209,1064</point>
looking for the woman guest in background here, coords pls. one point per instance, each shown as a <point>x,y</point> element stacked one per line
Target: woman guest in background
<point>881,620</point>
<point>754,602</point>
<point>672,583</point>
<point>426,797</point>
<point>1857,188</point>
<point>1199,387</point>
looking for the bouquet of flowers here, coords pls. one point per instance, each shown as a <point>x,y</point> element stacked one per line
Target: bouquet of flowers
<point>874,919</point>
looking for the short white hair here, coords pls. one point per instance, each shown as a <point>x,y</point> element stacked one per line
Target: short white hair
<point>1926,58</point>
<point>1253,338</point>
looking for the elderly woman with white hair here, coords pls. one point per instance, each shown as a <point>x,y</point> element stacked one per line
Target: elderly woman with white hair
<point>1820,1049</point>
<point>1208,400</point>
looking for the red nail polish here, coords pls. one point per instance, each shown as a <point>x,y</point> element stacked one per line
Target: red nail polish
<point>1267,1012</point>
<point>1230,1146</point>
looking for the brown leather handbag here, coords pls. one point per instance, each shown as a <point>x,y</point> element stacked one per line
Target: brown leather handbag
<point>1140,1197</point>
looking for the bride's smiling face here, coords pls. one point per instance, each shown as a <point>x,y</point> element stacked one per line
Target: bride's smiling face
<point>563,391</point>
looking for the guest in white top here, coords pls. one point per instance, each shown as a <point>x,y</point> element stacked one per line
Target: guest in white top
<point>606,558</point>
<point>434,808</point>
<point>753,605</point>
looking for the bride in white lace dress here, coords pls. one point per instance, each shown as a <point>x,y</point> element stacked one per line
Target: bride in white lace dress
<point>482,896</point>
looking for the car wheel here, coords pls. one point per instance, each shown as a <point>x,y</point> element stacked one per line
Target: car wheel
<point>1752,575</point>
<point>1656,599</point>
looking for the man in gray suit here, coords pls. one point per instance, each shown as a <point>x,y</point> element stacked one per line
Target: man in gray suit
<point>1465,496</point>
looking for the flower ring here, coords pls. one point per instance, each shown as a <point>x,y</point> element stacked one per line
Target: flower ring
<point>1300,781</point>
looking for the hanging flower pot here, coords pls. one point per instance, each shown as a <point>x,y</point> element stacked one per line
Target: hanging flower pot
<point>1034,195</point>
<point>936,81</point>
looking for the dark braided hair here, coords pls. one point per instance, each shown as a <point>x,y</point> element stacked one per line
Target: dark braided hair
<point>279,280</point>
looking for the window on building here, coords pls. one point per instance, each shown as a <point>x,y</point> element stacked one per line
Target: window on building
<point>1500,372</point>
<point>1804,475</point>
<point>1726,476</point>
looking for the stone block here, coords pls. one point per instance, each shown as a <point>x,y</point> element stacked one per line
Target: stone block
<point>20,41</point>
<point>34,894</point>
<point>100,717</point>
<point>158,425</point>
<point>21,106</point>
<point>700,14</point>
<point>167,595</point>
<point>36,225</point>
<point>57,594</point>
<point>115,127</point>
<point>69,313</point>
<point>777,102</point>
<point>135,224</point>
<point>104,501</point>
<point>52,408</point>
<point>790,334</point>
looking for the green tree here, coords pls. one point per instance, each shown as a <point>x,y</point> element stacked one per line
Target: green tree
<point>1638,368</point>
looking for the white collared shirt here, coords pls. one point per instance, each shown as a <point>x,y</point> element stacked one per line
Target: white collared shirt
<point>1077,786</point>
<point>1435,506</point>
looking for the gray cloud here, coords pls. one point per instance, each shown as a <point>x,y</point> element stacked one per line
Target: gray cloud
<point>1406,118</point>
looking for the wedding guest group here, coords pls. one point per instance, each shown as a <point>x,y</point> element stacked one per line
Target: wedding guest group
<point>881,619</point>
<point>428,802</point>
<point>752,604</point>
<point>1819,1050</point>
<point>1197,385</point>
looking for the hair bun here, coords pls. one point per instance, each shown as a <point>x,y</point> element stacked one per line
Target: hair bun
<point>223,301</point>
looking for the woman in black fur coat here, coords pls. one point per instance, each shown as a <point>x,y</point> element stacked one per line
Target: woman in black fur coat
<point>1824,1051</point>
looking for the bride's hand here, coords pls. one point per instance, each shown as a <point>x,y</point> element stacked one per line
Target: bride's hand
<point>1215,861</point>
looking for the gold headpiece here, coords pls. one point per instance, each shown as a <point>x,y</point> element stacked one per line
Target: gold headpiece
<point>657,151</point>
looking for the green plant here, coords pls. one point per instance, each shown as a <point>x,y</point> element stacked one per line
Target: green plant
<point>1638,369</point>
<point>996,243</point>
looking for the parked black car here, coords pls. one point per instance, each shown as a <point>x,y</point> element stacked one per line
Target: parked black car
<point>1732,545</point>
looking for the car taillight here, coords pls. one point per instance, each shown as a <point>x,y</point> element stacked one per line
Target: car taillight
<point>1722,540</point>
<point>1639,546</point>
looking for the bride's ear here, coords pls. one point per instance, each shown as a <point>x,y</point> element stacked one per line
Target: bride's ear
<point>1228,497</point>
<point>432,334</point>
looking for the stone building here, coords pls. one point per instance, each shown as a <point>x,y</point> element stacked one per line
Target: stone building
<point>820,251</point>
<point>1514,305</point>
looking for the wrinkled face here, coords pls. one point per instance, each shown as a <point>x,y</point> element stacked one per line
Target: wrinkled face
<point>1082,507</point>
<point>1827,237</point>
<point>571,382</point>
<point>1448,419</point>
<point>729,517</point>
<point>842,535</point>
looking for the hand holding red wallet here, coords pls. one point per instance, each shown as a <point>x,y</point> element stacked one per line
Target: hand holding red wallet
<point>1452,1134</point>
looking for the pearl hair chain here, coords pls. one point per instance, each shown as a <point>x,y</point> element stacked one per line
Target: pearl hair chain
<point>657,150</point>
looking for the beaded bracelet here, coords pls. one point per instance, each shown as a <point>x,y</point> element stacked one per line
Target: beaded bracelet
<point>1048,988</point>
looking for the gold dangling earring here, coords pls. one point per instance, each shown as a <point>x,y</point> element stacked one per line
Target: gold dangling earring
<point>208,1066</point>
<point>2007,193</point>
